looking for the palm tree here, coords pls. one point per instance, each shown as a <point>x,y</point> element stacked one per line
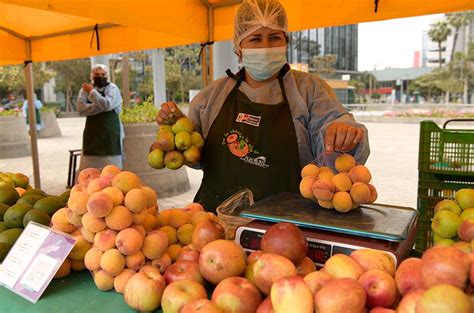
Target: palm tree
<point>456,21</point>
<point>439,32</point>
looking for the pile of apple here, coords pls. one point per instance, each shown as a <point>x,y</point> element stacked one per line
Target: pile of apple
<point>176,145</point>
<point>454,220</point>
<point>342,191</point>
<point>111,215</point>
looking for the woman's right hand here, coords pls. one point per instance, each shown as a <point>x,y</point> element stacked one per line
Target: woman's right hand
<point>168,114</point>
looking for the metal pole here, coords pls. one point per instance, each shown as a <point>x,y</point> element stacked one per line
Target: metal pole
<point>28,70</point>
<point>211,38</point>
<point>125,81</point>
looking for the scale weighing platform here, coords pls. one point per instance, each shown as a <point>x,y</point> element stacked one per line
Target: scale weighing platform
<point>388,228</point>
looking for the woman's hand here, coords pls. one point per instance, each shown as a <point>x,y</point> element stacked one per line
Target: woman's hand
<point>342,137</point>
<point>87,87</point>
<point>168,114</point>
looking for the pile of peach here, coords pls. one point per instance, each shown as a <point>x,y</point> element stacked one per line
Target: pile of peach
<point>342,191</point>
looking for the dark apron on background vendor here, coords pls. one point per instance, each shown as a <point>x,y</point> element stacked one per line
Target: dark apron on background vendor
<point>249,145</point>
<point>101,135</point>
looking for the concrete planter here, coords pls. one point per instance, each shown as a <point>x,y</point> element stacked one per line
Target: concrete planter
<point>138,139</point>
<point>14,138</point>
<point>51,127</point>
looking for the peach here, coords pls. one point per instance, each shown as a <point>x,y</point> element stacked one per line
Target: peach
<point>162,263</point>
<point>87,235</point>
<point>99,204</point>
<point>110,170</point>
<point>306,266</point>
<point>115,194</point>
<point>121,279</point>
<point>360,193</point>
<point>373,193</point>
<point>87,175</point>
<point>105,239</point>
<point>150,223</point>
<point>139,218</point>
<point>185,234</point>
<point>360,173</point>
<point>178,218</point>
<point>174,251</point>
<point>155,244</point>
<point>76,189</point>
<point>151,196</point>
<point>444,298</point>
<point>93,224</point>
<point>340,295</point>
<point>65,228</point>
<point>380,288</point>
<point>136,200</point>
<point>77,232</point>
<point>408,275</point>
<point>374,260</point>
<point>126,181</point>
<point>306,186</point>
<point>74,218</point>
<point>112,261</point>
<point>171,233</point>
<point>269,268</point>
<point>326,204</point>
<point>316,280</point>
<point>64,269</point>
<point>342,182</point>
<point>325,173</point>
<point>342,201</point>
<point>323,189</point>
<point>164,217</point>
<point>140,229</point>
<point>103,280</point>
<point>197,207</point>
<point>344,163</point>
<point>78,202</point>
<point>99,184</point>
<point>199,217</point>
<point>119,218</point>
<point>153,210</point>
<point>343,266</point>
<point>129,241</point>
<point>60,217</point>
<point>135,261</point>
<point>288,293</point>
<point>310,170</point>
<point>80,249</point>
<point>92,259</point>
<point>78,265</point>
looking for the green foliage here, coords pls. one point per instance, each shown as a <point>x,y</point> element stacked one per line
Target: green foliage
<point>10,112</point>
<point>12,78</point>
<point>324,65</point>
<point>144,112</point>
<point>439,33</point>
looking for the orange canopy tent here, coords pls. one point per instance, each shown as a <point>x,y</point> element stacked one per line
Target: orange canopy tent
<point>51,30</point>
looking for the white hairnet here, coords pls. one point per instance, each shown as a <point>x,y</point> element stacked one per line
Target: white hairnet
<point>97,67</point>
<point>255,14</point>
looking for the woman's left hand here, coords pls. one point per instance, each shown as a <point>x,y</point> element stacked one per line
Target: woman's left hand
<point>342,137</point>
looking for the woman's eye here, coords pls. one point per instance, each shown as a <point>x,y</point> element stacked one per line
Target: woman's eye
<point>275,38</point>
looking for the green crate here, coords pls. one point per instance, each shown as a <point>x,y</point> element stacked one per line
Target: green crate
<point>445,165</point>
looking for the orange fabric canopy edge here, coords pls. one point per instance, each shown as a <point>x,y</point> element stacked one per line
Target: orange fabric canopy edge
<point>60,30</point>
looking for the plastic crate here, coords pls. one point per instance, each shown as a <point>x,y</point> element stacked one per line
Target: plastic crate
<point>445,165</point>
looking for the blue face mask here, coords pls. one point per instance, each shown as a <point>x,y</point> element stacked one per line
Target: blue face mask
<point>263,63</point>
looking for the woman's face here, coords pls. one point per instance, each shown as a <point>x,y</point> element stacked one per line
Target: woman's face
<point>264,38</point>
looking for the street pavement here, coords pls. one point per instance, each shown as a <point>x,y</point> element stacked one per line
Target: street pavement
<point>392,162</point>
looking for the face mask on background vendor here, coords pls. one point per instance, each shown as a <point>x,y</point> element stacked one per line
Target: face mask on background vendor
<point>264,123</point>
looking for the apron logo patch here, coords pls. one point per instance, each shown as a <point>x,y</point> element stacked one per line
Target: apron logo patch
<point>248,119</point>
<point>240,147</point>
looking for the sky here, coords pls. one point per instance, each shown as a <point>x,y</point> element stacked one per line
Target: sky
<point>391,43</point>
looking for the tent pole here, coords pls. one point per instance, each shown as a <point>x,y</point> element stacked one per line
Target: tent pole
<point>32,115</point>
<point>211,38</point>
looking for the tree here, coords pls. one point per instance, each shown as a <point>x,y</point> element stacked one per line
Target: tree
<point>324,65</point>
<point>439,32</point>
<point>12,78</point>
<point>457,20</point>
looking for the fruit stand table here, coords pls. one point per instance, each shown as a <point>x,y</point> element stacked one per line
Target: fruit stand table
<point>74,293</point>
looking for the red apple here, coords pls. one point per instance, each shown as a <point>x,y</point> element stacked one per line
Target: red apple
<point>380,309</point>
<point>201,306</point>
<point>306,266</point>
<point>343,295</point>
<point>179,293</point>
<point>143,291</point>
<point>445,265</point>
<point>162,263</point>
<point>287,240</point>
<point>288,293</point>
<point>374,260</point>
<point>205,232</point>
<point>466,230</point>
<point>188,254</point>
<point>254,256</point>
<point>221,259</point>
<point>269,268</point>
<point>408,275</point>
<point>265,306</point>
<point>183,270</point>
<point>236,295</point>
<point>380,288</point>
<point>343,266</point>
<point>316,280</point>
<point>409,301</point>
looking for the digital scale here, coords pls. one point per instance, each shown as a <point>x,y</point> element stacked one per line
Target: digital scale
<point>388,228</point>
